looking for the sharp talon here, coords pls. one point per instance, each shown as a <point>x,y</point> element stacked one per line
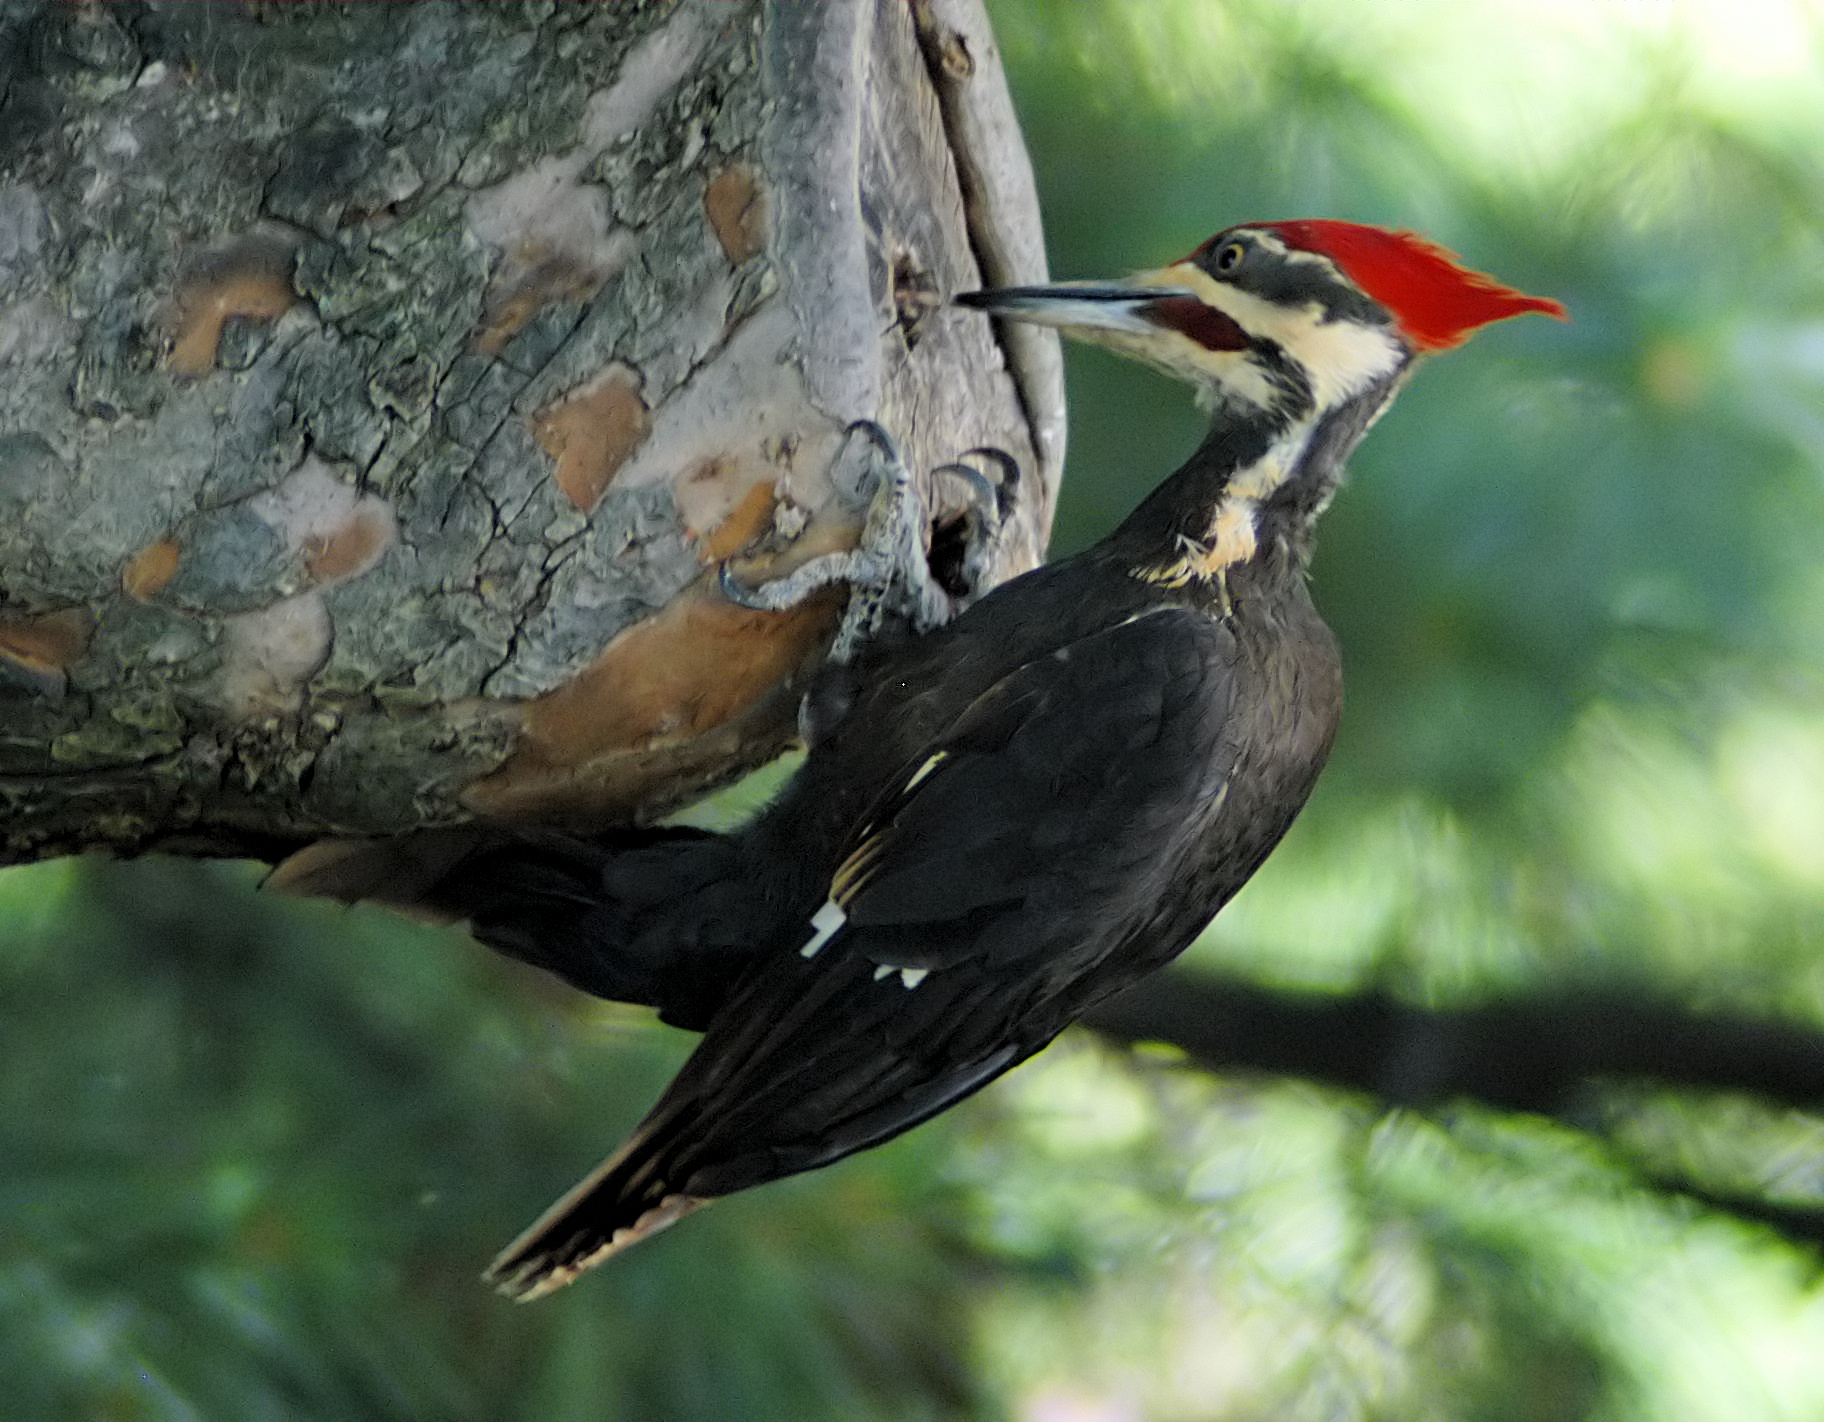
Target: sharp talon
<point>1010,473</point>
<point>858,476</point>
<point>877,433</point>
<point>1003,492</point>
<point>984,493</point>
<point>737,591</point>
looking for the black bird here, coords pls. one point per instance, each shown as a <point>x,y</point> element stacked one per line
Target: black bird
<point>1021,812</point>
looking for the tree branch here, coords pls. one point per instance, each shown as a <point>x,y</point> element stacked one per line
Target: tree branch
<point>1540,1054</point>
<point>1534,1054</point>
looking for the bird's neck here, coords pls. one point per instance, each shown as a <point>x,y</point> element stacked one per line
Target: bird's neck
<point>1251,494</point>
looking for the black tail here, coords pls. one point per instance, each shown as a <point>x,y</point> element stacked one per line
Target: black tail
<point>624,1200</point>
<point>775,1088</point>
<point>661,917</point>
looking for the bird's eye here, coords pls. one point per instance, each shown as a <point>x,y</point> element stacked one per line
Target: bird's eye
<point>1229,256</point>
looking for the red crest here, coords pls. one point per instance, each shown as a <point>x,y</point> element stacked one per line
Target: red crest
<point>1436,300</point>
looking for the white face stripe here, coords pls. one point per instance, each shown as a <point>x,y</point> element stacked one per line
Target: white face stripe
<point>1260,479</point>
<point>1218,377</point>
<point>1341,357</point>
<point>1276,244</point>
<point>1215,375</point>
<point>1233,535</point>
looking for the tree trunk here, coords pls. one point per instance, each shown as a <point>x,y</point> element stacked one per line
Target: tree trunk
<point>384,384</point>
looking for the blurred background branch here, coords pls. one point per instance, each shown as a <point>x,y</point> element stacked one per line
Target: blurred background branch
<point>1537,1053</point>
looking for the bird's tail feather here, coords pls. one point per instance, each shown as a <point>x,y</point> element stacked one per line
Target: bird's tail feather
<point>619,1203</point>
<point>658,916</point>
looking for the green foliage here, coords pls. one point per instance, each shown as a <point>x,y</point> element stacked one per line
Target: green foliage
<point>1575,575</point>
<point>257,1152</point>
<point>252,1155</point>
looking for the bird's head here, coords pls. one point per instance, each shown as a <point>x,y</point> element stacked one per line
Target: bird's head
<point>1294,318</point>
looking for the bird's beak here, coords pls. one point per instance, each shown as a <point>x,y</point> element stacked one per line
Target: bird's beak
<point>1157,316</point>
<point>1081,306</point>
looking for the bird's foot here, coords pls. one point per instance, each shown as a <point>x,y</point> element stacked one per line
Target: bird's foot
<point>964,536</point>
<point>907,565</point>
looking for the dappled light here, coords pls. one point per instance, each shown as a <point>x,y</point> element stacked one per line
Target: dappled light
<point>1575,575</point>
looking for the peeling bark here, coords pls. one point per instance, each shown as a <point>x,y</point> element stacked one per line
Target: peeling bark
<point>380,385</point>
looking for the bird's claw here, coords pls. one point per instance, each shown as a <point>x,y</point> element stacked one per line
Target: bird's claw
<point>988,498</point>
<point>775,596</point>
<point>861,486</point>
<point>892,571</point>
<point>964,544</point>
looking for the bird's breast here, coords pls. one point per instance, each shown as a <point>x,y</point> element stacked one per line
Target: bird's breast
<point>1286,706</point>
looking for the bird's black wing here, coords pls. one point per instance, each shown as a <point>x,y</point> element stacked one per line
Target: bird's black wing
<point>1024,845</point>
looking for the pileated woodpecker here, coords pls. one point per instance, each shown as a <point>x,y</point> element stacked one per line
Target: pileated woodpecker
<point>1021,812</point>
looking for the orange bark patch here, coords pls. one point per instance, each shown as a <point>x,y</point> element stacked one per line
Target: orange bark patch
<point>352,548</point>
<point>592,433</point>
<point>736,208</point>
<point>53,642</point>
<point>529,280</point>
<point>745,523</point>
<point>249,277</point>
<point>698,663</point>
<point>151,569</point>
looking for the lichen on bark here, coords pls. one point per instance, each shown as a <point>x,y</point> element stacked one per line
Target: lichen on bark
<point>380,384</point>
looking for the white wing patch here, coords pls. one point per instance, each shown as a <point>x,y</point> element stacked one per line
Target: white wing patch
<point>826,921</point>
<point>829,919</point>
<point>930,765</point>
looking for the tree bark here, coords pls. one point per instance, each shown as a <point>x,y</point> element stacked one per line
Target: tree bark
<point>383,385</point>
